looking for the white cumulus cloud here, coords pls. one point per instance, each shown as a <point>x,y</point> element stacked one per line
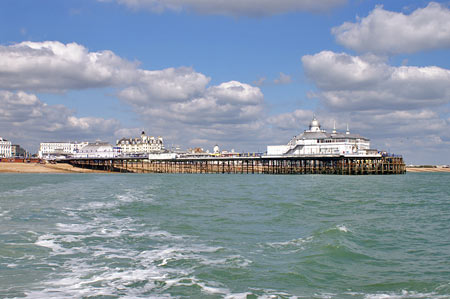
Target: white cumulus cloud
<point>233,7</point>
<point>25,119</point>
<point>387,32</point>
<point>229,102</point>
<point>170,85</point>
<point>354,83</point>
<point>55,67</point>
<point>177,102</point>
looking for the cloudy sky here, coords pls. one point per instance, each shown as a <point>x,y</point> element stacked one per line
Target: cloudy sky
<point>239,73</point>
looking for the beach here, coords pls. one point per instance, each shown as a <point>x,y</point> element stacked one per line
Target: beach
<point>12,167</point>
<point>427,169</point>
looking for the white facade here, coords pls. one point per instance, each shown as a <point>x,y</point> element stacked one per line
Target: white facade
<point>97,150</point>
<point>140,145</point>
<point>316,141</point>
<point>5,148</point>
<point>54,149</point>
<point>163,156</point>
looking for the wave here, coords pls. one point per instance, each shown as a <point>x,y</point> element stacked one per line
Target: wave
<point>97,259</point>
<point>404,294</point>
<point>299,243</point>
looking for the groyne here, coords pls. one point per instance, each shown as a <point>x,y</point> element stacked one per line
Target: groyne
<point>326,164</point>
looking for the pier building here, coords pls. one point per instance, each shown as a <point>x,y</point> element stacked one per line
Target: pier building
<point>316,141</point>
<point>97,150</point>
<point>140,145</point>
<point>5,148</point>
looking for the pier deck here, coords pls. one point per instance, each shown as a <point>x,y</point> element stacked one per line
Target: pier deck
<point>327,164</point>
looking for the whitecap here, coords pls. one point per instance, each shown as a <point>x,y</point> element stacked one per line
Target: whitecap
<point>212,290</point>
<point>72,227</point>
<point>54,243</point>
<point>163,235</point>
<point>133,195</point>
<point>48,241</point>
<point>151,270</point>
<point>238,295</point>
<point>405,295</point>
<point>342,228</point>
<point>296,244</point>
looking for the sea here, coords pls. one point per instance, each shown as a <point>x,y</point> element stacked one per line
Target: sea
<point>224,236</point>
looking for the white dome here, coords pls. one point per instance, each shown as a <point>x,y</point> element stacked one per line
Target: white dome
<point>314,126</point>
<point>216,149</point>
<point>315,123</point>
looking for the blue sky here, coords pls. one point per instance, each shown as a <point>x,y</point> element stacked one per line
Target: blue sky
<point>243,74</point>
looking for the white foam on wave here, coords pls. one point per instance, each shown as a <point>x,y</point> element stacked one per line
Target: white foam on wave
<point>72,227</point>
<point>53,242</point>
<point>212,289</point>
<point>170,253</point>
<point>297,244</point>
<point>48,241</point>
<point>164,235</point>
<point>84,279</point>
<point>99,205</point>
<point>208,288</point>
<point>238,295</point>
<point>342,228</point>
<point>114,201</point>
<point>235,261</point>
<point>265,294</point>
<point>100,227</point>
<point>100,269</point>
<point>133,196</point>
<point>406,294</point>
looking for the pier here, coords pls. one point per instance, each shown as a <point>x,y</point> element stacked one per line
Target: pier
<point>314,164</point>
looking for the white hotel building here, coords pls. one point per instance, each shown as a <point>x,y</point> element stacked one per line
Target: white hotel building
<point>57,149</point>
<point>5,148</point>
<point>140,145</point>
<point>316,141</point>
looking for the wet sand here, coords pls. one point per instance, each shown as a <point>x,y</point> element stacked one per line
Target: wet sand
<point>11,167</point>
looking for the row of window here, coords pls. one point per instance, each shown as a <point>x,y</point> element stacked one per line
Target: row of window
<point>134,142</point>
<point>337,140</point>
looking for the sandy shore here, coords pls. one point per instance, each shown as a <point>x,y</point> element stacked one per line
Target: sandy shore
<point>424,169</point>
<point>42,168</point>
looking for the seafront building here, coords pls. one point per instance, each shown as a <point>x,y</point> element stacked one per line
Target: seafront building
<point>17,151</point>
<point>97,150</point>
<point>49,150</point>
<point>316,141</point>
<point>140,145</point>
<point>313,152</point>
<point>5,148</point>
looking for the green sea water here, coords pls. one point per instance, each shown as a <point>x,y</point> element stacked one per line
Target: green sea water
<point>224,236</point>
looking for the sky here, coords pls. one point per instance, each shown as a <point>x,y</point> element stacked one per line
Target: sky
<point>242,74</point>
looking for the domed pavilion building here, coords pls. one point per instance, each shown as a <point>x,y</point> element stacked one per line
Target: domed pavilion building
<point>316,141</point>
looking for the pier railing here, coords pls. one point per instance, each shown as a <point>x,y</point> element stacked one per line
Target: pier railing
<point>327,164</point>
